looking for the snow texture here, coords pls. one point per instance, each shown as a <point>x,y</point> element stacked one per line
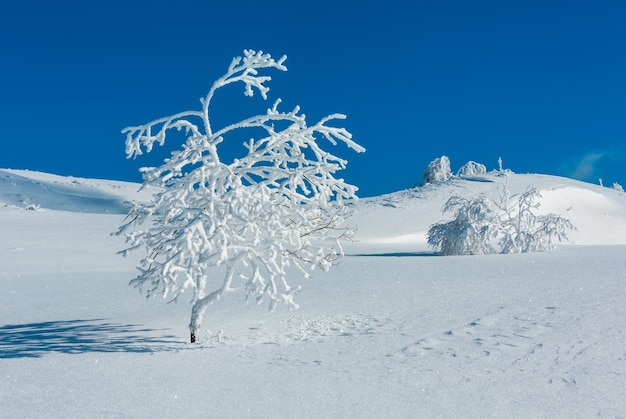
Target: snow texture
<point>393,331</point>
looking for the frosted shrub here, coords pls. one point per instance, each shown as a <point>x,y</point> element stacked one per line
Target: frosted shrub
<point>471,168</point>
<point>515,227</point>
<point>277,206</point>
<point>471,230</point>
<point>438,170</point>
<point>618,187</point>
<point>522,230</point>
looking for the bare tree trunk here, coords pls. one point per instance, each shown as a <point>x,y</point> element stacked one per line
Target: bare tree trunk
<point>200,306</point>
<point>197,312</point>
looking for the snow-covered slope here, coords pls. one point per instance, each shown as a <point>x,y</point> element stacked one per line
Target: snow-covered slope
<point>401,219</point>
<point>36,190</point>
<point>392,331</point>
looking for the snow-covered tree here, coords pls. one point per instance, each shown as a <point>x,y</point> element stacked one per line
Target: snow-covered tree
<point>277,206</point>
<point>522,230</point>
<point>471,168</point>
<point>514,225</point>
<point>618,187</point>
<point>438,170</point>
<point>470,232</point>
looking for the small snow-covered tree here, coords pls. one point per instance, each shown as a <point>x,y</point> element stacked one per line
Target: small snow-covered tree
<point>618,187</point>
<point>277,206</point>
<point>522,230</point>
<point>471,168</point>
<point>470,232</point>
<point>514,225</point>
<point>438,170</point>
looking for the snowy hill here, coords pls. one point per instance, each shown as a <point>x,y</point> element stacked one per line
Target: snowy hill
<point>398,219</point>
<point>392,331</point>
<point>36,190</point>
<point>401,219</point>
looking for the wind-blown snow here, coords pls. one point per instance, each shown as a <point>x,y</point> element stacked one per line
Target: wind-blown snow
<point>392,331</point>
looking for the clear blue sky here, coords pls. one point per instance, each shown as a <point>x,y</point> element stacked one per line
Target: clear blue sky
<point>541,84</point>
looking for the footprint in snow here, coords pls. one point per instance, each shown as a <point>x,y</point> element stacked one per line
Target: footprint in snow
<point>502,333</point>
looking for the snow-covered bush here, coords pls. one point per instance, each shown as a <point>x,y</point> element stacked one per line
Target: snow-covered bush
<point>516,227</point>
<point>618,187</point>
<point>471,230</point>
<point>522,230</point>
<point>278,206</point>
<point>471,168</point>
<point>438,170</point>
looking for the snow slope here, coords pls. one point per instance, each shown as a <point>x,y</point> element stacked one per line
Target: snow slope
<point>402,218</point>
<point>35,190</point>
<point>392,331</point>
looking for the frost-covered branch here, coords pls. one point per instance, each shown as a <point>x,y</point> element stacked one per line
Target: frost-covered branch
<point>278,205</point>
<point>244,70</point>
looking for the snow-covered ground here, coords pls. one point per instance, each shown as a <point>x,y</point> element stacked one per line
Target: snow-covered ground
<point>392,331</point>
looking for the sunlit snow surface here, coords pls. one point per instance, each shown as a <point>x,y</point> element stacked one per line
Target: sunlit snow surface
<point>392,331</point>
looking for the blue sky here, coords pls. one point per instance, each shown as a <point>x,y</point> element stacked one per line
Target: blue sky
<point>541,84</point>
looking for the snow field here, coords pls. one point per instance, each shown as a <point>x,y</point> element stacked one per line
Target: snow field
<point>392,331</point>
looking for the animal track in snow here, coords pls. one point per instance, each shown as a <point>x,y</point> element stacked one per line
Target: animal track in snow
<point>317,328</point>
<point>503,333</point>
<point>310,328</point>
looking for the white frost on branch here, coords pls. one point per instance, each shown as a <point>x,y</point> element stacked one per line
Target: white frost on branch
<point>277,206</point>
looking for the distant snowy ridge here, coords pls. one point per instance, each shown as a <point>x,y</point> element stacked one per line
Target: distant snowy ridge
<point>398,219</point>
<point>36,190</point>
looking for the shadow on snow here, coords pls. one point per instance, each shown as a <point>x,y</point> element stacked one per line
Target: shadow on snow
<point>395,254</point>
<point>79,336</point>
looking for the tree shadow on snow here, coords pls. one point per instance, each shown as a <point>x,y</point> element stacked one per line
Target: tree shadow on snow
<point>79,336</point>
<point>396,254</point>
